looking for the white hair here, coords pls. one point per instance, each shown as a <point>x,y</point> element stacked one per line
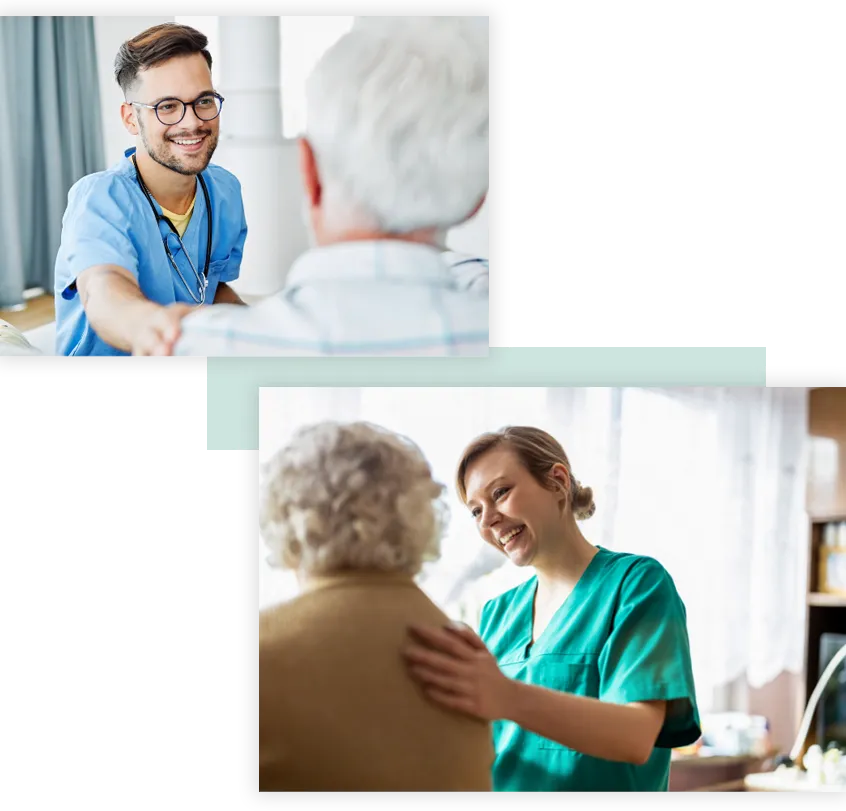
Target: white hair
<point>397,117</point>
<point>351,496</point>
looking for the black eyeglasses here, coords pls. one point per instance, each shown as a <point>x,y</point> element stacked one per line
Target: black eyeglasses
<point>172,111</point>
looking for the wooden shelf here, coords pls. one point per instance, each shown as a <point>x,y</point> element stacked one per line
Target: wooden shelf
<point>820,598</point>
<point>825,504</point>
<point>834,518</point>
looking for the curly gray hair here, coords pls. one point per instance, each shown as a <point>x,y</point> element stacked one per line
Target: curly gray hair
<point>351,496</point>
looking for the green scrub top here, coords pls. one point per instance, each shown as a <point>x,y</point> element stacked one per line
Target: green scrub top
<point>621,636</point>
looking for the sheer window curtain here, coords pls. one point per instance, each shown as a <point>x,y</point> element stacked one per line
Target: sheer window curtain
<point>708,481</point>
<point>50,125</point>
<point>731,528</point>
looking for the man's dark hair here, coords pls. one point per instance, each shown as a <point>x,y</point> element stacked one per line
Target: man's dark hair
<point>154,46</point>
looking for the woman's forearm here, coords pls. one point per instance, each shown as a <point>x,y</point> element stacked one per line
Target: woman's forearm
<point>620,732</point>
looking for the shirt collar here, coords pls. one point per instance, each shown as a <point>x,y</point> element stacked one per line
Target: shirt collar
<point>371,260</point>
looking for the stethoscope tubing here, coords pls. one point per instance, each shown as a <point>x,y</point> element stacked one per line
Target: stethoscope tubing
<point>202,281</point>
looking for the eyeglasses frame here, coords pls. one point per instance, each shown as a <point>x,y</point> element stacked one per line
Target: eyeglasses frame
<point>185,106</point>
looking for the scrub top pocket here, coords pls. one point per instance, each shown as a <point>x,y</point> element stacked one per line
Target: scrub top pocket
<point>217,267</point>
<point>218,270</point>
<point>569,673</point>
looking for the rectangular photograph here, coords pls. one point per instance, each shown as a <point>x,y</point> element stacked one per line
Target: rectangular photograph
<point>244,186</point>
<point>552,589</point>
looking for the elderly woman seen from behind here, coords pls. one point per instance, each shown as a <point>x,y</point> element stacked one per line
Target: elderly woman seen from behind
<point>353,509</point>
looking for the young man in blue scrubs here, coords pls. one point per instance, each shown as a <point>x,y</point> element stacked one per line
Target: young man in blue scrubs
<point>161,232</point>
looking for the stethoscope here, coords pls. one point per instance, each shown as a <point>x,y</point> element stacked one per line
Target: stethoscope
<point>202,281</point>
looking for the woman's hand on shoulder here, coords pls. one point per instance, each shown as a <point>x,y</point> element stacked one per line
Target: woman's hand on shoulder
<point>457,671</point>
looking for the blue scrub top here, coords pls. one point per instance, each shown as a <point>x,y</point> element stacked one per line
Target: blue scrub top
<point>108,221</point>
<point>621,636</point>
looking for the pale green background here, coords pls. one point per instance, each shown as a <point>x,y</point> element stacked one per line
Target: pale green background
<point>678,207</point>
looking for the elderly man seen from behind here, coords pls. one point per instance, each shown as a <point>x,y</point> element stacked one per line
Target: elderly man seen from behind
<point>354,510</point>
<point>395,153</point>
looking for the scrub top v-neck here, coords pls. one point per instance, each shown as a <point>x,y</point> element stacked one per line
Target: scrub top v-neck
<point>620,636</point>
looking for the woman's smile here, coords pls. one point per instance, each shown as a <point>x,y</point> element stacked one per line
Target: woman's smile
<point>511,537</point>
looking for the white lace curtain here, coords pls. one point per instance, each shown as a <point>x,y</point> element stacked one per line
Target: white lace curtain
<point>709,481</point>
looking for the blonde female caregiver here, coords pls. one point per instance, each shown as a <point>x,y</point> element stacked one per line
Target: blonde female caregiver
<point>585,667</point>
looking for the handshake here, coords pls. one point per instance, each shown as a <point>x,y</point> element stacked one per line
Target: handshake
<point>154,329</point>
<point>124,318</point>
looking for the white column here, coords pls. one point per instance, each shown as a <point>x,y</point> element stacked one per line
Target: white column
<point>253,149</point>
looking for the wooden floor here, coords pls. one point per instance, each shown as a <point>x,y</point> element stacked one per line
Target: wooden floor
<point>39,311</point>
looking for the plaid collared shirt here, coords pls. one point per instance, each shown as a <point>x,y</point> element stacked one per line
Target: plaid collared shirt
<point>385,297</point>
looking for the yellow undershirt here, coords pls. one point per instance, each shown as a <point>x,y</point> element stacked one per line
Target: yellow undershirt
<point>180,221</point>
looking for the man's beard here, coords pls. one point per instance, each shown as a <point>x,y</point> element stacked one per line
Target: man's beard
<point>164,157</point>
